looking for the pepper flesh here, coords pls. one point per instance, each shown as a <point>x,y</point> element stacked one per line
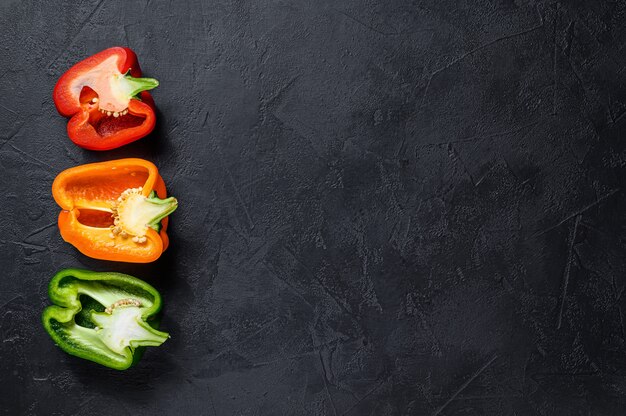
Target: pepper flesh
<point>106,99</point>
<point>103,317</point>
<point>103,221</point>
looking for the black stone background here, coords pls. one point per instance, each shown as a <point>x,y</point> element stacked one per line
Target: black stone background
<point>386,207</point>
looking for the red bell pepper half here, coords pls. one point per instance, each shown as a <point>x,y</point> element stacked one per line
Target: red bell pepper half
<point>106,99</point>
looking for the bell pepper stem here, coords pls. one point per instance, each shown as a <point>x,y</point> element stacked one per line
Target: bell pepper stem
<point>135,212</point>
<point>133,86</point>
<point>159,209</point>
<point>125,327</point>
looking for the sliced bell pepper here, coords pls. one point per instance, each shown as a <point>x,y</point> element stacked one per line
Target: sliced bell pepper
<point>106,99</point>
<point>102,317</point>
<point>115,210</point>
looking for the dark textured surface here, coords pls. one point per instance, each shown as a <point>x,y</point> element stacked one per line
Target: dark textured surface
<point>386,207</point>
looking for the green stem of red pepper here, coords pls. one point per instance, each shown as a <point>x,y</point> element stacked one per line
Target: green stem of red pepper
<point>133,86</point>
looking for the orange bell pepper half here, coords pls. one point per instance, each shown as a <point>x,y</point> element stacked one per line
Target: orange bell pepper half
<point>114,210</point>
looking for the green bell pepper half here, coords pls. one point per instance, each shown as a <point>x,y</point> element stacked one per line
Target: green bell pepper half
<point>103,317</point>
